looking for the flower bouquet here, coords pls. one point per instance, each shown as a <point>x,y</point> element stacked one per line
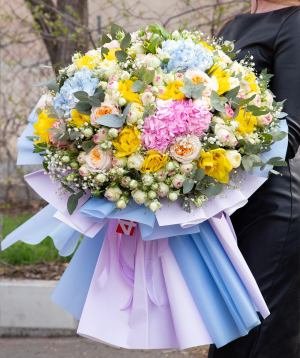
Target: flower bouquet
<point>149,143</point>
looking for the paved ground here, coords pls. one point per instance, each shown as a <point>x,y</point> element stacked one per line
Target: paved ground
<point>81,348</point>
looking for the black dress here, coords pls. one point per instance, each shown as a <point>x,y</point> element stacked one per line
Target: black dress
<point>268,227</point>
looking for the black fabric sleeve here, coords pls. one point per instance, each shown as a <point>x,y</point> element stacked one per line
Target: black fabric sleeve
<point>286,81</point>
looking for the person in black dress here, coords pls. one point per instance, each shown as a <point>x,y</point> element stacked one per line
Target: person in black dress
<point>268,227</point>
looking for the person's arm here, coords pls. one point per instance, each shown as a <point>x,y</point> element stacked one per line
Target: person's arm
<point>286,81</point>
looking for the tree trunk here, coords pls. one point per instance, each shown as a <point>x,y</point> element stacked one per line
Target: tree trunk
<point>74,18</point>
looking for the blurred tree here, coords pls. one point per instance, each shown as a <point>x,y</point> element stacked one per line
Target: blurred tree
<point>63,27</point>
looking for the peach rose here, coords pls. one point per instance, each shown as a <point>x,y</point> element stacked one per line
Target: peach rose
<point>98,159</point>
<point>211,84</point>
<point>186,150</point>
<point>108,107</point>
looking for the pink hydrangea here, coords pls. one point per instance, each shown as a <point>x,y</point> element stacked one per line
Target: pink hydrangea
<point>174,119</point>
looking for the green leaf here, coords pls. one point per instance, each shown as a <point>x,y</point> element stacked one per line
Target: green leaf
<point>248,147</point>
<point>200,173</point>
<point>136,87</point>
<point>277,162</point>
<point>197,92</point>
<point>260,112</point>
<point>188,185</point>
<point>121,55</point>
<point>185,203</point>
<point>187,90</point>
<point>212,72</point>
<point>126,41</point>
<point>153,45</point>
<point>52,130</point>
<point>68,188</point>
<point>247,163</point>
<point>45,165</point>
<point>94,101</point>
<point>115,29</point>
<point>104,51</point>
<point>74,135</point>
<point>53,87</point>
<point>99,94</point>
<point>73,201</point>
<point>45,83</point>
<point>210,187</point>
<point>141,72</point>
<point>105,39</point>
<point>149,76</point>
<point>188,82</point>
<point>236,112</point>
<point>279,135</point>
<point>83,106</point>
<point>81,95</point>
<point>242,102</point>
<point>164,33</point>
<point>232,93</point>
<point>144,87</point>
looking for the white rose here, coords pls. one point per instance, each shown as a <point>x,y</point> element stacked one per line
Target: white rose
<point>135,161</point>
<point>137,109</point>
<point>112,86</point>
<point>256,101</point>
<point>122,102</point>
<point>103,85</point>
<point>176,35</point>
<point>162,89</point>
<point>237,68</point>
<point>233,82</point>
<point>158,81</point>
<point>113,132</point>
<point>71,70</point>
<point>152,194</point>
<point>153,61</point>
<point>264,120</point>
<point>186,168</point>
<point>88,132</point>
<point>169,78</point>
<point>125,181</point>
<point>223,135</point>
<point>268,99</point>
<point>161,175</point>
<point>164,56</point>
<point>121,204</point>
<point>218,120</point>
<point>178,180</point>
<point>100,178</point>
<point>234,158</point>
<point>101,135</point>
<point>179,77</point>
<point>110,67</point>
<point>154,206</point>
<point>131,118</point>
<point>83,171</point>
<point>163,189</point>
<point>119,162</point>
<point>137,48</point>
<point>133,184</point>
<point>147,98</point>
<point>147,179</point>
<point>125,76</point>
<point>173,196</point>
<point>81,158</point>
<point>253,138</point>
<point>186,150</point>
<point>114,44</point>
<point>139,196</point>
<point>113,194</point>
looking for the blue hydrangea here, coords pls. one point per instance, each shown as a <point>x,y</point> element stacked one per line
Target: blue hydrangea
<point>186,54</point>
<point>65,101</point>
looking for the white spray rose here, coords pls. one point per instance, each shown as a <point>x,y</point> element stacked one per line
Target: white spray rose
<point>178,180</point>
<point>163,189</point>
<point>147,98</point>
<point>137,48</point>
<point>136,161</point>
<point>169,78</point>
<point>139,196</point>
<point>113,194</point>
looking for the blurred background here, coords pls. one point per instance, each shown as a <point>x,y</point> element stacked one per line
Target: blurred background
<point>38,33</point>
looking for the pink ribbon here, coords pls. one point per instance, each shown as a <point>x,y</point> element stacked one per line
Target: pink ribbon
<point>153,250</point>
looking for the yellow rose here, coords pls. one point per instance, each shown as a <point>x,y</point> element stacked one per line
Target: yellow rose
<point>222,78</point>
<point>44,123</point>
<point>124,88</point>
<point>127,142</point>
<point>78,119</point>
<point>247,122</point>
<point>215,164</point>
<point>111,54</point>
<point>87,61</point>
<point>154,161</point>
<point>173,92</point>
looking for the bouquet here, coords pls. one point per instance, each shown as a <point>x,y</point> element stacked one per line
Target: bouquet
<point>153,114</point>
<point>173,122</point>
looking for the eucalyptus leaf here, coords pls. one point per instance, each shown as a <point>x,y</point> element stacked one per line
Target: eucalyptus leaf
<point>247,163</point>
<point>141,72</point>
<point>232,93</point>
<point>104,51</point>
<point>211,187</point>
<point>105,39</point>
<point>99,94</point>
<point>199,174</point>
<point>115,29</point>
<point>136,87</point>
<point>126,41</point>
<point>242,102</point>
<point>74,135</point>
<point>81,95</point>
<point>110,120</point>
<point>53,87</point>
<point>144,87</point>
<point>52,130</point>
<point>188,185</point>
<point>236,112</point>
<point>149,76</point>
<point>68,188</point>
<point>94,101</point>
<point>153,45</point>
<point>121,55</point>
<point>278,162</point>
<point>279,135</point>
<point>73,201</point>
<point>82,106</point>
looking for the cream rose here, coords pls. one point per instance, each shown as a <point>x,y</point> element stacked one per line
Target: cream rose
<point>135,161</point>
<point>98,159</point>
<point>186,150</point>
<point>211,84</point>
<point>234,158</point>
<point>108,107</point>
<point>264,120</point>
<point>114,44</point>
<point>110,67</point>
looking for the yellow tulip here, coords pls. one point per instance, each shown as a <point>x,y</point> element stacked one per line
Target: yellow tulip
<point>215,164</point>
<point>87,61</point>
<point>44,123</point>
<point>173,92</point>
<point>127,142</point>
<point>205,45</point>
<point>124,88</point>
<point>247,122</point>
<point>154,161</point>
<point>111,54</point>
<point>78,119</point>
<point>222,78</point>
